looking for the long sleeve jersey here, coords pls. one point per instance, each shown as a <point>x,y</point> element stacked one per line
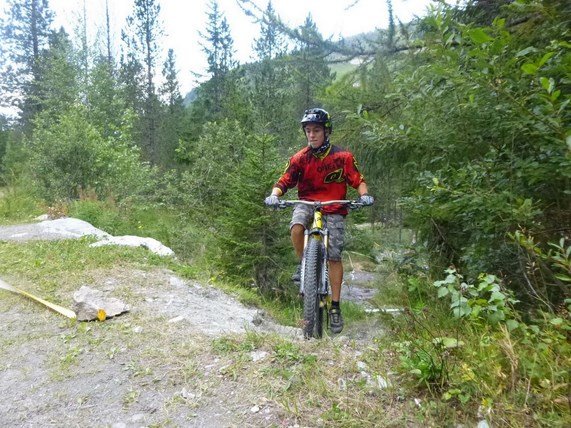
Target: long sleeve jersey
<point>322,178</point>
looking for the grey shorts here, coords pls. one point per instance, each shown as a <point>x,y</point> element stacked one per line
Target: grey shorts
<point>335,223</point>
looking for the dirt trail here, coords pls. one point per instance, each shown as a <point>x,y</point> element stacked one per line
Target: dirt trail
<point>153,366</point>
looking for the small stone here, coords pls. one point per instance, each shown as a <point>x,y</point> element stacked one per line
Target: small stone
<point>175,281</point>
<point>176,319</point>
<point>138,417</point>
<point>258,355</point>
<point>258,319</point>
<point>382,382</point>
<point>186,394</point>
<point>88,304</point>
<point>255,409</point>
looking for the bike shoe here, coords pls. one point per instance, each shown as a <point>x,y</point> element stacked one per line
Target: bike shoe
<point>296,277</point>
<point>335,320</point>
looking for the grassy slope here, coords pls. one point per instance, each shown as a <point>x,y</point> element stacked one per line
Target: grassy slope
<point>339,382</point>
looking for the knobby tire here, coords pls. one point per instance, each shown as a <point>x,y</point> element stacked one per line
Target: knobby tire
<point>312,312</point>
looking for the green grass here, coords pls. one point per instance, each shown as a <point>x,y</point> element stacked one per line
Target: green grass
<point>18,206</point>
<point>51,265</point>
<point>519,376</point>
<point>342,68</point>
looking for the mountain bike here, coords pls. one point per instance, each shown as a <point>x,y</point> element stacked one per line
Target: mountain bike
<point>314,283</point>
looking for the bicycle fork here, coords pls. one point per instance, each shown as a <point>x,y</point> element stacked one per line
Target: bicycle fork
<point>319,232</point>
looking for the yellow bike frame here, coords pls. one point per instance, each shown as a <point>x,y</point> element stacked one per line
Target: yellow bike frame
<point>316,227</point>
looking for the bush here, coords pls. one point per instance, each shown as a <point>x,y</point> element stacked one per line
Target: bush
<point>70,155</point>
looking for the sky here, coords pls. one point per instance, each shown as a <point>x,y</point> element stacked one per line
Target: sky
<point>182,20</point>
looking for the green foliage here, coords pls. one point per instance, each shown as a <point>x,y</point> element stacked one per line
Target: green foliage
<point>427,365</point>
<point>251,237</point>
<point>17,203</point>
<point>211,160</point>
<point>485,300</point>
<point>4,138</point>
<point>480,368</point>
<point>104,100</point>
<point>58,87</point>
<point>25,38</point>
<point>548,268</point>
<point>71,154</point>
<point>218,45</point>
<point>472,129</point>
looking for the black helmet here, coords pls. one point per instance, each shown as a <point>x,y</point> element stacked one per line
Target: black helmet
<point>317,115</point>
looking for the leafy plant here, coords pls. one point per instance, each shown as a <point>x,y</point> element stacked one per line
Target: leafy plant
<point>485,300</point>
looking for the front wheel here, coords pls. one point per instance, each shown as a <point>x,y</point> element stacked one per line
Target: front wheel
<point>312,309</point>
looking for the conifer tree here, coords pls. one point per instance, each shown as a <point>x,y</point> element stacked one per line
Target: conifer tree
<point>311,73</point>
<point>218,45</point>
<point>270,95</point>
<point>142,37</point>
<point>25,35</point>
<point>171,123</point>
<point>59,86</point>
<point>252,241</point>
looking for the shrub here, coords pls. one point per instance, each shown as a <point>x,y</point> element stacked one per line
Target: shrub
<point>68,155</point>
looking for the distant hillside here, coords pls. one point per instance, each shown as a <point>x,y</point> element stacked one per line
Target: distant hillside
<point>364,41</point>
<point>190,97</point>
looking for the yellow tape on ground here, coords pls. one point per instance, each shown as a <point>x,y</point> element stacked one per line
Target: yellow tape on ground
<point>64,311</point>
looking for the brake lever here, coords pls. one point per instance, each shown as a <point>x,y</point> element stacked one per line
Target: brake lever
<point>354,205</point>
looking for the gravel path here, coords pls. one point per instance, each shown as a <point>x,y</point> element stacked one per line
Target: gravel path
<point>153,366</point>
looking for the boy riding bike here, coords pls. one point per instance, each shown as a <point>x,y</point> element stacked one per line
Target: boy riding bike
<point>321,172</point>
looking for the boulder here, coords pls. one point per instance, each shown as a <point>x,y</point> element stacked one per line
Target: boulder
<point>136,241</point>
<point>90,304</point>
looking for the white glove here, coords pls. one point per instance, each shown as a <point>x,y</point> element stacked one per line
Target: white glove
<point>272,201</point>
<point>366,200</point>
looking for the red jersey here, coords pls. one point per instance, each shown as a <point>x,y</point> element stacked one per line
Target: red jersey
<point>322,178</point>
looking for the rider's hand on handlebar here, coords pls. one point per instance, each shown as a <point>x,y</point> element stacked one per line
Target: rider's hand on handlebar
<point>366,200</point>
<point>272,201</point>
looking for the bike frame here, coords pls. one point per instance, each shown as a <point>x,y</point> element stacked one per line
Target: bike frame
<point>320,233</point>
<point>316,241</point>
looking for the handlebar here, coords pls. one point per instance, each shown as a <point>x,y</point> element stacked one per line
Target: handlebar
<point>318,204</point>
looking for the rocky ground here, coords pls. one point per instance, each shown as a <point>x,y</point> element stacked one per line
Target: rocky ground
<point>152,366</point>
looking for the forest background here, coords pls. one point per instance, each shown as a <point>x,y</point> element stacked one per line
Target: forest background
<point>459,120</point>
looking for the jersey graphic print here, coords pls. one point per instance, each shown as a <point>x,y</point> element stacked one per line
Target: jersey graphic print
<point>335,176</point>
<point>322,178</point>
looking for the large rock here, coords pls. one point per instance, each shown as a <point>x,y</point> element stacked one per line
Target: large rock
<point>73,228</point>
<point>88,304</point>
<point>136,241</point>
<point>62,228</point>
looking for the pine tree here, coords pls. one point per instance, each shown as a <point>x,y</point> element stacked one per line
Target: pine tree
<point>218,46</point>
<point>58,87</point>
<point>171,124</point>
<point>270,97</point>
<point>311,73</point>
<point>142,37</point>
<point>25,35</point>
<point>170,90</point>
<point>252,241</point>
